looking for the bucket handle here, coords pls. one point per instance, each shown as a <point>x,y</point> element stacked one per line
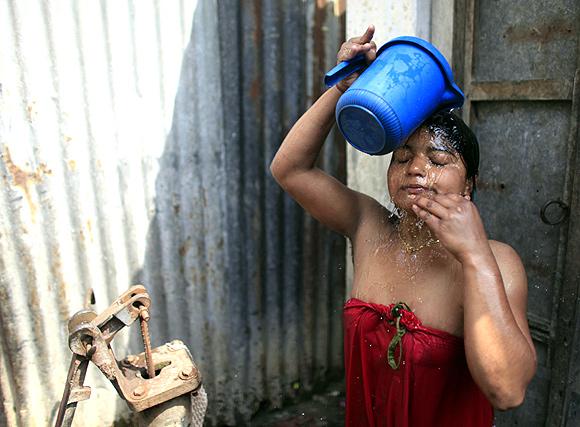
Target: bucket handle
<point>344,69</point>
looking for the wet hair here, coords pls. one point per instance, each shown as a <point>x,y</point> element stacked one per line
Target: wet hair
<point>460,137</point>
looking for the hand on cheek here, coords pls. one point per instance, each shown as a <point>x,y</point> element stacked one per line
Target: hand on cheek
<point>455,221</point>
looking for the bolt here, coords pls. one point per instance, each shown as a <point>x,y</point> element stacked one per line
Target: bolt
<point>139,391</point>
<point>174,345</point>
<point>186,373</point>
<point>144,313</point>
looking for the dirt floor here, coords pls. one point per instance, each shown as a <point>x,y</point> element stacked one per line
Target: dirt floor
<point>323,409</point>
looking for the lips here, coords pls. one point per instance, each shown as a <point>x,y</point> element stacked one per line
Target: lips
<point>415,189</point>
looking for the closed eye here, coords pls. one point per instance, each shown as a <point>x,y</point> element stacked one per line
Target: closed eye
<point>402,155</point>
<point>438,162</point>
<point>440,158</point>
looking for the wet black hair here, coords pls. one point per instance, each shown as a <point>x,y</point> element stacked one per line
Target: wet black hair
<point>460,137</point>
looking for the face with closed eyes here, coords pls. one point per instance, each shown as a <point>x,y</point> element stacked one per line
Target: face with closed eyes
<point>425,165</point>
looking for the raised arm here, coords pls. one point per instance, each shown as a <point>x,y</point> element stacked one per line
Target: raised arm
<point>294,166</point>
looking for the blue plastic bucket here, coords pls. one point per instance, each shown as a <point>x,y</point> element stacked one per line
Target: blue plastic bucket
<point>408,82</point>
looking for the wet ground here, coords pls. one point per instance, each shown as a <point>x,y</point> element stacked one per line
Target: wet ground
<point>322,409</point>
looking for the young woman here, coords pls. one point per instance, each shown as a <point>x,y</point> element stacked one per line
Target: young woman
<point>435,330</point>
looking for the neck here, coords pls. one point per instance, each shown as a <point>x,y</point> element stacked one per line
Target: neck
<point>414,233</point>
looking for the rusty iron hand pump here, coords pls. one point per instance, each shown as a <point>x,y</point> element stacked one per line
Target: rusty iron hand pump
<point>143,381</point>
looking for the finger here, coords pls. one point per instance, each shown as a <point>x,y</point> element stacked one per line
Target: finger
<point>454,202</point>
<point>460,201</point>
<point>454,196</point>
<point>347,51</point>
<point>445,200</point>
<point>366,37</point>
<point>431,220</point>
<point>433,207</point>
<point>371,54</point>
<point>350,50</point>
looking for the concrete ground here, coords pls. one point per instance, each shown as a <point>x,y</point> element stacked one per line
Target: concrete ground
<point>322,409</point>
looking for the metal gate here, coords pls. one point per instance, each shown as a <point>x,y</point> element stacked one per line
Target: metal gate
<point>519,64</point>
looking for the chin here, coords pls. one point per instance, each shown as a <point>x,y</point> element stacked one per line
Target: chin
<point>404,204</point>
<point>404,200</point>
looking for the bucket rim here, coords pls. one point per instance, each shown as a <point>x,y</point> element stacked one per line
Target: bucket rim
<point>431,50</point>
<point>359,147</point>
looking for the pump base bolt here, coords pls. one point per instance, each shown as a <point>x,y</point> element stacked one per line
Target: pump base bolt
<point>139,391</point>
<point>187,373</point>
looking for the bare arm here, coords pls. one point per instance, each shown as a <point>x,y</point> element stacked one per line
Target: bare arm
<point>498,346</point>
<point>294,166</point>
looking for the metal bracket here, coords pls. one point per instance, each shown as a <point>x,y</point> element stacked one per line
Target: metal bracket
<point>144,380</point>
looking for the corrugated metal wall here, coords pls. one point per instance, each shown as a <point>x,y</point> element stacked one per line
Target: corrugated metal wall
<point>135,139</point>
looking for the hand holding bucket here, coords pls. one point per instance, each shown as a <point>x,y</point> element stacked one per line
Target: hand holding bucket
<point>407,82</point>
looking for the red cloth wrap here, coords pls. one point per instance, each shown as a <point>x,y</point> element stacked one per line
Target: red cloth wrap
<point>432,385</point>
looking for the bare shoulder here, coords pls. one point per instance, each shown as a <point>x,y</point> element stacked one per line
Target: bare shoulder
<point>373,215</point>
<point>510,265</point>
<point>505,254</point>
<point>373,210</point>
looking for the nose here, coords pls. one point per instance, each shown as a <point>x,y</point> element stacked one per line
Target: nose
<point>417,166</point>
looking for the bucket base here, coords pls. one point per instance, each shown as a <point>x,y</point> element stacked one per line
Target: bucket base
<point>367,122</point>
<point>362,126</point>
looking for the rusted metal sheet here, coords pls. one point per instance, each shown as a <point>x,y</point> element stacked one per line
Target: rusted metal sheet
<point>530,90</point>
<point>567,404</point>
<point>518,64</point>
<point>135,141</point>
<point>520,139</point>
<point>536,42</point>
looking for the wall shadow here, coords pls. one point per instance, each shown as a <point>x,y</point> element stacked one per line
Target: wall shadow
<point>233,266</point>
